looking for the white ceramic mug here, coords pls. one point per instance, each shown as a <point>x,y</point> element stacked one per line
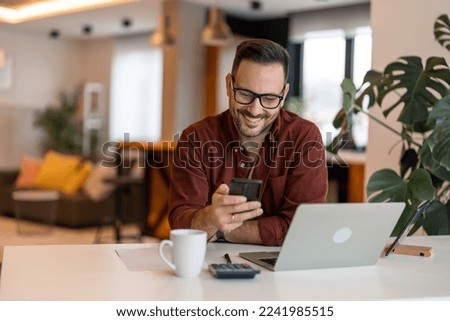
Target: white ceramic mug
<point>188,248</point>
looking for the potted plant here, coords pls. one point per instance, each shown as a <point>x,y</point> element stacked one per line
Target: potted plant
<point>423,97</point>
<point>62,132</point>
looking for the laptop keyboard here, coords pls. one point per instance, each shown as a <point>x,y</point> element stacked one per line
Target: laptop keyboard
<point>270,261</point>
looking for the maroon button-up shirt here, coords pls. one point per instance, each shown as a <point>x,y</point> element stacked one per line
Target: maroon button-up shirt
<point>291,163</point>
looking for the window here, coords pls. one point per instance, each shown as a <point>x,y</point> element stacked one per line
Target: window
<point>362,53</point>
<point>323,71</point>
<point>136,91</point>
<point>323,60</point>
<point>362,62</point>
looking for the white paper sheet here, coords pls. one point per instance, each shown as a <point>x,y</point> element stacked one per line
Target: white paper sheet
<point>143,259</point>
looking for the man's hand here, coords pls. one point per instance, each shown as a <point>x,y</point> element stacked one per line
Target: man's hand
<point>226,212</point>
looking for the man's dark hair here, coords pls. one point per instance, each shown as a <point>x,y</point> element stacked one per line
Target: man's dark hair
<point>262,51</point>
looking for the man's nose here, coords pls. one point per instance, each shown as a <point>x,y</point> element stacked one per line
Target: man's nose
<point>255,108</point>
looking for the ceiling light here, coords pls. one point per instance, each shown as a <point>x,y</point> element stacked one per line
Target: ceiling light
<point>87,29</point>
<point>255,5</point>
<point>161,37</point>
<point>216,32</point>
<point>52,8</point>
<point>126,23</point>
<point>54,33</point>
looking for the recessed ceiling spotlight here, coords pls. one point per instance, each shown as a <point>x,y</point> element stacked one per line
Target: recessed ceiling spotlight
<point>54,33</point>
<point>126,22</point>
<point>87,29</point>
<point>255,5</point>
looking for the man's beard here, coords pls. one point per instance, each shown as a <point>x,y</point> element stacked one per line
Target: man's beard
<point>244,128</point>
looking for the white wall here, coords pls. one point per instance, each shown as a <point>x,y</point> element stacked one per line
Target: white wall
<point>96,58</point>
<point>345,18</point>
<point>399,28</point>
<point>42,68</point>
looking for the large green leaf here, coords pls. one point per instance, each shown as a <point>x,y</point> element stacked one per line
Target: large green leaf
<point>435,152</point>
<point>421,87</point>
<point>349,90</point>
<point>442,31</point>
<point>431,164</point>
<point>435,221</point>
<point>386,185</point>
<point>441,152</point>
<point>420,185</point>
<point>348,104</point>
<point>342,119</point>
<point>370,87</point>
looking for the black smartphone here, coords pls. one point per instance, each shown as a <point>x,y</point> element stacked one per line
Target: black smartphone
<point>250,188</point>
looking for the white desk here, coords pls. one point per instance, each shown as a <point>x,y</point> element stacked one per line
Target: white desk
<point>95,272</point>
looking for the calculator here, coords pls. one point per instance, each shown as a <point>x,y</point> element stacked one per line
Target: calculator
<point>232,271</point>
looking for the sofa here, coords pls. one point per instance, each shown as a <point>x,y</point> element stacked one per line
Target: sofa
<point>74,211</point>
<point>85,207</point>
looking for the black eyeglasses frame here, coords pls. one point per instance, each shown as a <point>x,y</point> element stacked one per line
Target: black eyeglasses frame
<point>255,95</point>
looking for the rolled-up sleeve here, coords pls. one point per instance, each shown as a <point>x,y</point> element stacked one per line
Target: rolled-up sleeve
<point>189,187</point>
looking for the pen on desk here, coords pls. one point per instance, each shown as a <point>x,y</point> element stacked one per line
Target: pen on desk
<point>227,258</point>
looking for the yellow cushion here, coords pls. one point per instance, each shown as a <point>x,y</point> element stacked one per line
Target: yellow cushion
<point>77,178</point>
<point>28,172</point>
<point>56,170</point>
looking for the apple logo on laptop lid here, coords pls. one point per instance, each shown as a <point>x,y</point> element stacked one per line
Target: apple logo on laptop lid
<point>342,235</point>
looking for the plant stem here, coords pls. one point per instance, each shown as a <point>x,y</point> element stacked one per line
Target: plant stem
<point>443,191</point>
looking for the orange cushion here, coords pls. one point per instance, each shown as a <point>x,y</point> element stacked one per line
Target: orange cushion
<point>28,172</point>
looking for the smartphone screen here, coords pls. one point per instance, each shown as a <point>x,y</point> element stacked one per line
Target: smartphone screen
<point>250,188</point>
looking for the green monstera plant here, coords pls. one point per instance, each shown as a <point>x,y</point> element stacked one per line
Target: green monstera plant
<point>423,96</point>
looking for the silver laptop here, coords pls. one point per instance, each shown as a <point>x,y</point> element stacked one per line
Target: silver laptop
<point>332,235</point>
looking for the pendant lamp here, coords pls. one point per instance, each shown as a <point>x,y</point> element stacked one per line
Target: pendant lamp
<point>216,32</point>
<point>161,36</point>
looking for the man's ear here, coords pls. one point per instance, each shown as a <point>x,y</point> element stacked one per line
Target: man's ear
<point>228,84</point>
<point>286,90</point>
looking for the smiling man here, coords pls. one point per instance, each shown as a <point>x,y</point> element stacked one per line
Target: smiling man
<point>255,138</point>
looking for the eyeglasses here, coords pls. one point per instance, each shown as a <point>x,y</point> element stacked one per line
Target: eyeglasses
<point>246,97</point>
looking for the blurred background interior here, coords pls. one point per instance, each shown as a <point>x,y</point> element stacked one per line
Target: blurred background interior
<point>134,73</point>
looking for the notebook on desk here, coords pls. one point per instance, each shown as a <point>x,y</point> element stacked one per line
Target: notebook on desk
<point>332,235</point>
